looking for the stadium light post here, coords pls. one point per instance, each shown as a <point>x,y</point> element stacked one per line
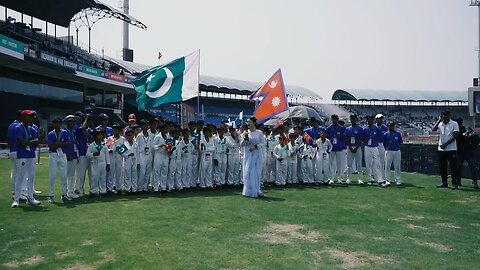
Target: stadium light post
<point>476,3</point>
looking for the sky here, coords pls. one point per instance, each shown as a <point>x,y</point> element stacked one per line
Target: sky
<point>322,45</point>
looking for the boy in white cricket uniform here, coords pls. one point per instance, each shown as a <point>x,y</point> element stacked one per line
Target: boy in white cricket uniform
<point>100,163</point>
<point>281,153</point>
<point>144,142</point>
<point>160,166</point>
<point>306,153</point>
<point>175,178</point>
<point>292,161</point>
<point>129,152</point>
<point>234,165</point>
<point>114,176</point>
<point>220,169</point>
<point>324,147</point>
<point>188,159</point>
<point>207,149</point>
<point>57,159</point>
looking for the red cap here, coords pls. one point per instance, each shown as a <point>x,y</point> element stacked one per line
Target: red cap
<point>132,117</point>
<point>28,112</point>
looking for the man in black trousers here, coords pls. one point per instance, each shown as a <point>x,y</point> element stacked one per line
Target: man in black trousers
<point>447,148</point>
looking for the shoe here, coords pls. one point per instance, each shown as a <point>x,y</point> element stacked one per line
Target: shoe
<point>260,194</point>
<point>37,192</point>
<point>475,186</point>
<point>51,199</point>
<point>387,183</point>
<point>33,202</point>
<point>370,183</point>
<point>91,195</point>
<point>348,182</point>
<point>340,182</point>
<point>384,184</point>
<point>23,198</point>
<point>360,182</point>
<point>442,185</point>
<point>14,204</point>
<point>72,195</point>
<point>454,187</point>
<point>399,184</point>
<point>66,198</point>
<point>330,182</point>
<point>76,192</point>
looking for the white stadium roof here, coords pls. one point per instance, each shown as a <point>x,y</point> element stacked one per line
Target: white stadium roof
<point>232,84</point>
<point>396,95</point>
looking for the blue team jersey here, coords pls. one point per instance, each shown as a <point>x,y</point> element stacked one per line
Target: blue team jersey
<point>354,135</point>
<point>72,148</point>
<point>383,128</point>
<point>336,135</point>
<point>392,140</point>
<point>54,137</point>
<point>373,136</point>
<point>108,130</point>
<point>314,132</point>
<point>12,142</point>
<point>26,134</point>
<point>81,137</point>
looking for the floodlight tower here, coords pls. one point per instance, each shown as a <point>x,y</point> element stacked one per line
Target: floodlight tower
<point>127,52</point>
<point>476,3</point>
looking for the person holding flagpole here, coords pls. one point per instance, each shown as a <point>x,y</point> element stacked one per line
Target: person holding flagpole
<point>253,144</point>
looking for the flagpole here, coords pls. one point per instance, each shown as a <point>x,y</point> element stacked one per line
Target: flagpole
<point>198,96</point>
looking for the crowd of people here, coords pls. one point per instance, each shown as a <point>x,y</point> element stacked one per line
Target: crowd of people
<point>159,156</point>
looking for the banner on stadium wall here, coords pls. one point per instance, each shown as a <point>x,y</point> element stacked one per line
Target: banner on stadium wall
<point>58,60</point>
<point>11,44</point>
<point>91,71</point>
<point>187,114</point>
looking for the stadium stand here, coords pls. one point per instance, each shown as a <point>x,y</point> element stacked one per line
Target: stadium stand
<point>415,112</point>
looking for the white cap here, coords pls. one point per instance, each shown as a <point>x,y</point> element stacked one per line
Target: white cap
<point>70,117</point>
<point>379,116</point>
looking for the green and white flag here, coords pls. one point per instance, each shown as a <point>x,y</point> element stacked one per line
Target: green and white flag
<point>172,82</point>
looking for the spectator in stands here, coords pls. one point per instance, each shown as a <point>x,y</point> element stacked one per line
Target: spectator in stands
<point>467,142</point>
<point>447,148</point>
<point>392,141</point>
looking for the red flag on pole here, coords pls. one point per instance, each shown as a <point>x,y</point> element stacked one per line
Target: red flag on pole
<point>274,99</point>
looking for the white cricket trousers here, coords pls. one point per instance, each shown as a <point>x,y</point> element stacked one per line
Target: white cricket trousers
<point>338,160</point>
<point>394,157</point>
<point>381,152</point>
<point>234,168</point>
<point>99,176</point>
<point>206,170</point>
<point>160,171</point>
<point>323,168</point>
<point>354,160</point>
<point>220,171</point>
<point>25,177</point>
<point>13,172</point>
<point>292,175</point>
<point>269,171</point>
<point>187,170</point>
<point>145,173</point>
<point>307,170</point>
<point>57,163</point>
<point>281,172</point>
<point>114,176</point>
<point>372,164</point>
<point>84,165</point>
<point>175,177</point>
<point>131,174</point>
<point>71,167</point>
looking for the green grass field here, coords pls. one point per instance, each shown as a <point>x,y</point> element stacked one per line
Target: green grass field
<point>411,227</point>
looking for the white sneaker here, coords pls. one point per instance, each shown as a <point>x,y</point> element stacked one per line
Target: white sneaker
<point>33,202</point>
<point>387,183</point>
<point>370,183</point>
<point>37,192</point>
<point>23,197</point>
<point>330,182</point>
<point>348,182</point>
<point>360,182</point>
<point>51,199</point>
<point>340,182</point>
<point>399,183</point>
<point>66,198</point>
<point>72,195</point>
<point>14,204</point>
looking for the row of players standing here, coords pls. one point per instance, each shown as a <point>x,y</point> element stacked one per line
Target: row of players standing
<point>326,152</point>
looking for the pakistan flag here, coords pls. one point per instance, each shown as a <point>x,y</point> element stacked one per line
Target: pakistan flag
<point>172,82</point>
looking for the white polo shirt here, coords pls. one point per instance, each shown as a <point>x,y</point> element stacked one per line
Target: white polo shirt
<point>446,133</point>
